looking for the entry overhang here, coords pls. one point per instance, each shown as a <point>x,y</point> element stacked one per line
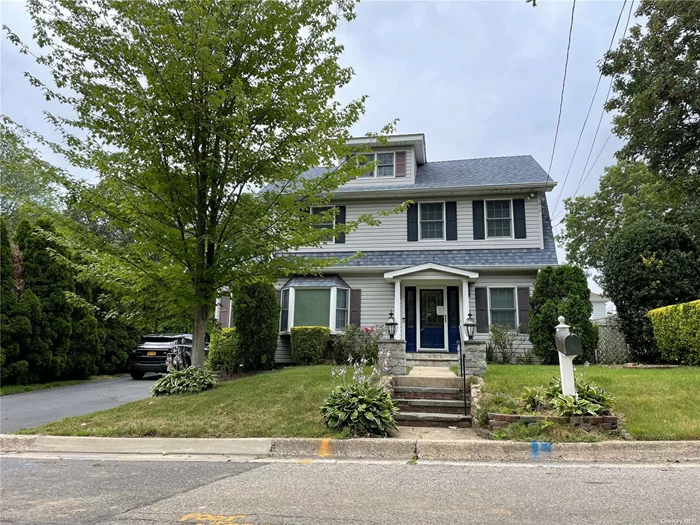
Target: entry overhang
<point>447,270</point>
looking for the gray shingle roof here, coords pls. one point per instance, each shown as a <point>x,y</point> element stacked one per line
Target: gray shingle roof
<point>315,281</point>
<point>489,171</point>
<point>466,258</point>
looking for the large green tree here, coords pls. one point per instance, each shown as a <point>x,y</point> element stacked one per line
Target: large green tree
<point>648,265</point>
<point>628,192</point>
<point>656,82</point>
<point>184,108</point>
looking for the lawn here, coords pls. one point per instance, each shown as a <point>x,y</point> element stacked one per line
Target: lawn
<point>656,404</point>
<point>18,389</point>
<point>281,403</point>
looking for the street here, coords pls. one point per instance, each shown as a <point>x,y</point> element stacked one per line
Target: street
<point>42,406</point>
<point>104,492</point>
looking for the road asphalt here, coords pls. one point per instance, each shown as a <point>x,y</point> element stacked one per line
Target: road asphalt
<point>102,492</point>
<point>42,406</point>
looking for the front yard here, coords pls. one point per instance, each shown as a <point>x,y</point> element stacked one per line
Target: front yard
<point>655,404</point>
<point>282,403</point>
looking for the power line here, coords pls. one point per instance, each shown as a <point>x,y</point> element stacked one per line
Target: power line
<point>588,114</point>
<point>563,88</point>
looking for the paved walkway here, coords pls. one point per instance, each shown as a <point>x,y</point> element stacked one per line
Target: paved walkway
<point>42,406</point>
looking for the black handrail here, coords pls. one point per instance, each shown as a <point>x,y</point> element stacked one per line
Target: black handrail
<point>463,370</point>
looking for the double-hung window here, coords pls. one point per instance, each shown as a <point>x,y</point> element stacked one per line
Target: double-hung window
<point>341,308</point>
<point>498,218</point>
<point>432,220</point>
<point>327,224</point>
<point>370,158</point>
<point>385,167</point>
<point>284,314</point>
<point>502,307</point>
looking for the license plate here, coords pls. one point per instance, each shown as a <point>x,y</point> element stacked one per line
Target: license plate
<point>151,353</point>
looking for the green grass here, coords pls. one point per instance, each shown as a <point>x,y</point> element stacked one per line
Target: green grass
<point>655,404</point>
<point>8,390</point>
<point>282,403</point>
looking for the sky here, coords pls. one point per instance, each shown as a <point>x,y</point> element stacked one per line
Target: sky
<point>478,78</point>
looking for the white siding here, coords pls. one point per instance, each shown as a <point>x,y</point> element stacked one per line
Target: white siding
<point>599,309</point>
<point>391,233</point>
<point>485,280</point>
<point>377,297</point>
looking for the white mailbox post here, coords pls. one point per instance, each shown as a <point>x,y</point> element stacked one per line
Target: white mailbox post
<point>568,346</point>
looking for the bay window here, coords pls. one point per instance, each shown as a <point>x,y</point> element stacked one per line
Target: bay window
<point>315,301</point>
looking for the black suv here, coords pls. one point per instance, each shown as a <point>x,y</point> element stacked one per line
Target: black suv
<point>152,353</point>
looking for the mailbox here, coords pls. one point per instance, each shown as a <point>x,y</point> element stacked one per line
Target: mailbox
<point>569,345</point>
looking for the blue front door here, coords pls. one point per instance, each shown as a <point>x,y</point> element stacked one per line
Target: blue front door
<point>432,319</point>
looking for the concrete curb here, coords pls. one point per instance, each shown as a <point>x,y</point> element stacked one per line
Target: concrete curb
<point>394,449</point>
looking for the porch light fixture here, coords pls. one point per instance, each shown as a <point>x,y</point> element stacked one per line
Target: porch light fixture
<point>391,325</point>
<point>470,325</point>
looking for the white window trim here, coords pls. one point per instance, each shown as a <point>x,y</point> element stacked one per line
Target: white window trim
<point>515,302</point>
<point>289,305</point>
<point>486,220</point>
<point>376,167</point>
<point>333,300</point>
<point>420,221</point>
<point>332,241</point>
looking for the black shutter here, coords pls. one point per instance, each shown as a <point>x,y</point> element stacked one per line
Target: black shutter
<point>519,218</point>
<point>412,217</point>
<point>356,307</point>
<point>482,310</point>
<point>340,219</point>
<point>478,219</point>
<point>524,309</point>
<point>451,215</point>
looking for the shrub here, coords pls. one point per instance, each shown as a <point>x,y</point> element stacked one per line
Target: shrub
<point>502,339</point>
<point>222,351</point>
<point>256,317</point>
<point>677,332</point>
<point>188,381</point>
<point>649,265</point>
<point>561,291</point>
<point>364,408</point>
<point>308,344</point>
<point>359,343</point>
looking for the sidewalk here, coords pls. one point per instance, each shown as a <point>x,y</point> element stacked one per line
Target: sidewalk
<point>365,448</point>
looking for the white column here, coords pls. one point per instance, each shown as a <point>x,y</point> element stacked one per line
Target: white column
<point>397,309</point>
<point>465,299</point>
<point>566,364</point>
<point>334,302</point>
<point>290,316</point>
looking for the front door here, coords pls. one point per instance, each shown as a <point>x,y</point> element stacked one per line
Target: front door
<point>432,319</point>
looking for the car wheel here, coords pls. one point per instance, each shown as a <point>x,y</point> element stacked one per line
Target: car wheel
<point>137,375</point>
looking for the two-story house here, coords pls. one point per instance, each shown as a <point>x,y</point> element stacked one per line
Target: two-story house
<point>472,242</point>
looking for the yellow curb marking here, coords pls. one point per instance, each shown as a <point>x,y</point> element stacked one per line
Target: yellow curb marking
<point>210,519</point>
<point>307,461</point>
<point>325,450</point>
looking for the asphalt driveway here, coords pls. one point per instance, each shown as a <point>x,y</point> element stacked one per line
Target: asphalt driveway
<point>42,406</point>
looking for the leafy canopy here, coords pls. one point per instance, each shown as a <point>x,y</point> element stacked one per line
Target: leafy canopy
<point>184,108</point>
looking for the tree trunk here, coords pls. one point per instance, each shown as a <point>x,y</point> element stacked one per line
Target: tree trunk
<point>201,313</point>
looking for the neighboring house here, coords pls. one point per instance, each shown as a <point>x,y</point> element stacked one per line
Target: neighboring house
<point>600,306</point>
<point>473,241</point>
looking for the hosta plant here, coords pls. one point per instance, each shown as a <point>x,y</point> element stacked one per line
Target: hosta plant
<point>364,408</point>
<point>533,398</point>
<point>188,381</point>
<point>586,391</point>
<point>568,406</point>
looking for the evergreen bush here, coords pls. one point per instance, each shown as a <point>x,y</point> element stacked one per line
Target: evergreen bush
<point>308,344</point>
<point>677,332</point>
<point>223,351</point>
<point>255,315</point>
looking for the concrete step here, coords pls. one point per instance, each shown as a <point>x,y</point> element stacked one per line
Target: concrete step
<point>431,419</point>
<point>431,359</point>
<point>428,381</point>
<point>419,392</point>
<point>443,406</point>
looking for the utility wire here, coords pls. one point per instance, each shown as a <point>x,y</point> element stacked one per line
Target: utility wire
<point>588,114</point>
<point>561,99</point>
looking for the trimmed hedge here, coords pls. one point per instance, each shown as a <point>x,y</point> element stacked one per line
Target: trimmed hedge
<point>309,343</point>
<point>677,332</point>
<point>223,351</point>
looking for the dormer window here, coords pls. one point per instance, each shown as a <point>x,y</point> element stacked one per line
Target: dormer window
<point>385,164</point>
